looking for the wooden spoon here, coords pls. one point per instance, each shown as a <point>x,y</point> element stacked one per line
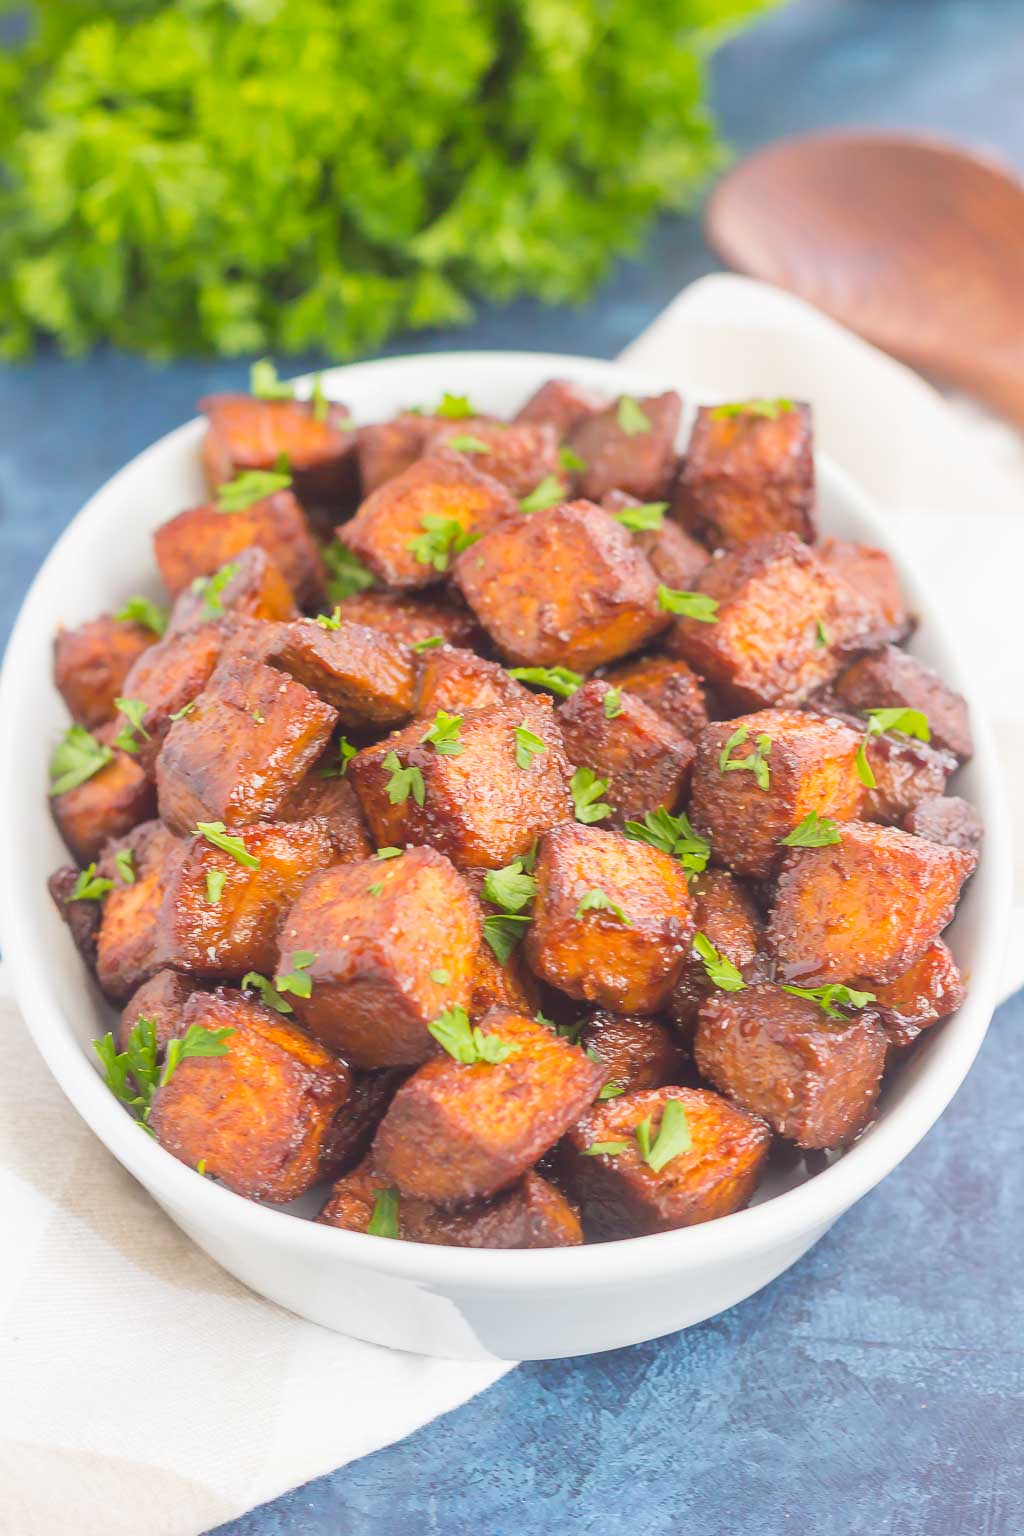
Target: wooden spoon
<point>916,245</point>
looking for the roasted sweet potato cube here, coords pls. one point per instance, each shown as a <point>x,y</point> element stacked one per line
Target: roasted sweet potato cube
<point>248,587</point>
<point>128,946</point>
<point>165,680</point>
<point>109,804</point>
<point>945,819</point>
<point>162,1001</point>
<point>727,917</point>
<point>245,433</point>
<point>930,990</point>
<point>904,771</point>
<point>629,446</point>
<point>565,587</point>
<point>81,915</point>
<point>796,763</point>
<point>407,530</point>
<point>873,574</point>
<point>200,541</point>
<point>783,620</point>
<point>891,678</point>
<point>675,557</point>
<point>636,1051</point>
<point>395,942</point>
<point>325,794</point>
<point>368,677</point>
<point>868,906</point>
<point>220,918</point>
<point>354,1126</point>
<point>612,919</point>
<point>386,448</point>
<point>561,402</point>
<point>646,760</point>
<point>249,740</point>
<point>620,1195</point>
<point>258,1116</point>
<point>457,680</point>
<point>519,455</point>
<point>91,662</point>
<point>813,1078</point>
<point>497,983</point>
<point>481,806</point>
<point>668,686</point>
<point>414,619</point>
<point>748,473</point>
<point>456,1133</point>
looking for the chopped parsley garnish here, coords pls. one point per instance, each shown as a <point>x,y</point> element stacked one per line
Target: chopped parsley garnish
<point>186,709</point>
<point>610,1091</point>
<point>828,997</point>
<point>571,461</point>
<point>318,399</point>
<point>673,1137</point>
<point>613,704</point>
<point>124,863</point>
<point>253,981</point>
<point>443,735</point>
<point>813,832</point>
<point>134,711</point>
<point>755,762</point>
<point>528,746</point>
<point>384,1218</point>
<point>821,635</point>
<point>75,758</point>
<point>346,573</point>
<point>440,976</point>
<point>597,901</point>
<point>466,1042</point>
<point>329,620</point>
<point>587,790</point>
<point>908,722</point>
<point>605,1148</point>
<point>404,781</point>
<point>265,384</point>
<point>134,1074</point>
<point>718,968</point>
<point>630,417</point>
<point>250,486</point>
<point>646,518</point>
<point>215,881</point>
<point>389,853</point>
<point>503,931</point>
<point>139,610</point>
<point>465,442</point>
<point>428,644</point>
<point>546,493</point>
<point>297,980</point>
<point>210,589</point>
<point>89,886</point>
<point>688,605</point>
<point>772,409</point>
<point>338,770</point>
<point>455,407</point>
<point>511,888</point>
<point>216,833</point>
<point>376,889</point>
<point>674,835</point>
<point>441,538</point>
<point>560,681</point>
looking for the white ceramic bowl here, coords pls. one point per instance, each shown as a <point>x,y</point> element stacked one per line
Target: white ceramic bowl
<point>441,1301</point>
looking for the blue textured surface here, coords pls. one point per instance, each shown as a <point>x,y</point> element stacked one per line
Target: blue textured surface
<point>877,1386</point>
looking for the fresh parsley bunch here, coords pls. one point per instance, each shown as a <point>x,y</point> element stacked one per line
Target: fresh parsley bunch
<point>278,175</point>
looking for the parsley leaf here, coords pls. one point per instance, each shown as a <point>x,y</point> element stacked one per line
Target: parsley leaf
<point>384,1219</point>
<point>210,588</point>
<point>133,1075</point>
<point>813,832</point>
<point>605,1148</point>
<point>297,980</point>
<point>755,762</point>
<point>215,881</point>
<point>134,711</point>
<point>467,1043</point>
<point>503,931</point>
<point>597,901</point>
<point>630,417</point>
<point>389,853</point>
<point>139,610</point>
<point>821,635</point>
<point>455,407</point>
<point>647,518</point>
<point>404,781</point>
<point>827,997</point>
<point>329,620</point>
<point>571,461</point>
<point>690,605</point>
<point>249,487</point>
<point>908,722</point>
<point>427,645</point>
<point>346,573</point>
<point>440,976</point>
<point>719,968</point>
<point>265,384</point>
<point>216,833</point>
<point>318,400</point>
<point>613,704</point>
<point>338,770</point>
<point>186,709</point>
<point>674,835</point>
<point>89,886</point>
<point>510,888</point>
<point>546,493</point>
<point>441,538</point>
<point>75,758</point>
<point>465,442</point>
<point>673,1137</point>
<point>125,865</point>
<point>443,735</point>
<point>560,681</point>
<point>528,746</point>
<point>587,789</point>
<point>610,1091</point>
<point>772,409</point>
<point>252,981</point>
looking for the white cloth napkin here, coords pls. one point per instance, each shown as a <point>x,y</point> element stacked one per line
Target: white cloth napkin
<point>143,1392</point>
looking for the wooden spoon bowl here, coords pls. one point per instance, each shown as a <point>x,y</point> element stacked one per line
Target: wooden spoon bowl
<point>914,244</point>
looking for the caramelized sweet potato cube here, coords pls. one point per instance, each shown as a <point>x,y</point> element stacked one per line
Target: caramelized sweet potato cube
<point>128,947</point>
<point>891,678</point>
<point>868,906</point>
<point>500,984</point>
<point>405,531</point>
<point>930,990</point>
<point>456,680</point>
<point>748,473</point>
<point>385,933</point>
<point>612,919</point>
<point>386,448</point>
<point>200,541</point>
<point>162,1000</point>
<point>481,806</point>
<point>629,446</point>
<point>565,587</point>
<point>81,916</point>
<point>456,1133</point>
<point>354,1126</point>
<point>782,623</point>
<point>234,757</point>
<point>258,1116</point>
<point>236,932</point>
<point>325,794</point>
<point>519,456</point>
<point>246,433</point>
<point>110,804</point>
<point>414,619</point>
<point>873,574</point>
<point>945,819</point>
<point>621,1196</point>
<point>91,662</point>
<point>637,1052</point>
<point>727,917</point>
<point>905,771</point>
<point>814,1079</point>
<point>561,402</point>
<point>668,686</point>
<point>646,760</point>
<point>803,763</point>
<point>249,587</point>
<point>368,677</point>
<point>166,679</point>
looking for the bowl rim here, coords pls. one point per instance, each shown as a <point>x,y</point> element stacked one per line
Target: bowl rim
<point>783,1218</point>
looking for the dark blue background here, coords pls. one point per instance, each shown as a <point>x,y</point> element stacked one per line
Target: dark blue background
<point>877,1386</point>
